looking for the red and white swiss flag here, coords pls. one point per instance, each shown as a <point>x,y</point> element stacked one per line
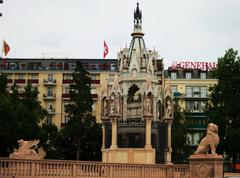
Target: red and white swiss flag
<point>105,52</point>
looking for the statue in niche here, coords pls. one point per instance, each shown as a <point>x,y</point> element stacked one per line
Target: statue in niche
<point>125,61</point>
<point>26,150</point>
<point>117,105</point>
<point>148,105</point>
<point>105,107</point>
<point>112,105</point>
<point>168,108</point>
<point>144,61</point>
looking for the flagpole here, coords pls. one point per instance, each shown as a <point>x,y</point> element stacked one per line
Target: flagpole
<point>2,48</point>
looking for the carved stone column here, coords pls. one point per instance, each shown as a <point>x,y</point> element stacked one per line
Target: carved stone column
<point>148,120</point>
<point>114,133</point>
<point>103,135</point>
<point>168,150</point>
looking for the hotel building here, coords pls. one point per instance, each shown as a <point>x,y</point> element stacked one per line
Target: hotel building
<point>190,83</point>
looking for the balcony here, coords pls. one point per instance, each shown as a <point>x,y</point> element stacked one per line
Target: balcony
<point>51,111</point>
<point>190,97</point>
<point>20,81</point>
<point>32,81</point>
<point>9,80</point>
<point>194,111</point>
<point>49,82</point>
<point>65,96</point>
<point>95,81</point>
<point>49,97</point>
<point>95,96</point>
<point>67,81</point>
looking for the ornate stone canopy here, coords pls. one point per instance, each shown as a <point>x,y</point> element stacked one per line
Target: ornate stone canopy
<point>133,105</point>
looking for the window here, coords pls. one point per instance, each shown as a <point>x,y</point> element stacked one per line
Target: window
<point>113,67</point>
<point>21,76</point>
<point>34,76</point>
<point>67,77</point>
<point>9,76</point>
<point>203,75</point>
<point>93,91</point>
<point>65,105</point>
<point>49,120</point>
<point>188,75</point>
<point>50,106</point>
<point>174,90</point>
<point>203,105</point>
<point>189,91</point>
<point>50,77</point>
<point>196,138</point>
<point>111,78</point>
<point>21,90</point>
<point>203,91</point>
<point>65,119</point>
<point>66,90</point>
<point>50,91</point>
<point>196,91</point>
<point>94,107</point>
<point>173,75</point>
<point>195,106</point>
<point>94,77</point>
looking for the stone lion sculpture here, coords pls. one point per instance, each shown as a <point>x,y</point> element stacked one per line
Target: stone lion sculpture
<point>26,150</point>
<point>211,140</point>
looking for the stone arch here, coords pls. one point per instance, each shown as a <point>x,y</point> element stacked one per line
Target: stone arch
<point>134,94</point>
<point>134,72</point>
<point>105,106</point>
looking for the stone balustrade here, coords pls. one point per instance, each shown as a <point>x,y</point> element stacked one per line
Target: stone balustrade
<point>64,169</point>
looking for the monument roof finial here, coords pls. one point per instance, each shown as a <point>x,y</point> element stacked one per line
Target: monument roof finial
<point>137,17</point>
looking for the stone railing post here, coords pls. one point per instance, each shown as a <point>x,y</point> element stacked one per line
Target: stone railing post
<point>205,166</point>
<point>33,168</point>
<point>111,174</point>
<point>74,170</point>
<point>170,171</point>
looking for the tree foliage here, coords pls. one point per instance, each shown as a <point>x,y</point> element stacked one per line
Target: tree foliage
<point>82,135</point>
<point>225,103</point>
<point>180,150</point>
<point>19,116</point>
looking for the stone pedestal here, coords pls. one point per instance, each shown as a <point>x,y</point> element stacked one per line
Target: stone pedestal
<point>206,166</point>
<point>129,155</point>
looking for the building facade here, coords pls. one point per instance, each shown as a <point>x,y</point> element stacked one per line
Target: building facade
<point>52,77</point>
<point>190,87</point>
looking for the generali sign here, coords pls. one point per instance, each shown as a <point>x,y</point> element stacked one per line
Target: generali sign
<point>194,65</point>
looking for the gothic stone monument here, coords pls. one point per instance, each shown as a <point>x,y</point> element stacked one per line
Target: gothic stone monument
<point>137,107</point>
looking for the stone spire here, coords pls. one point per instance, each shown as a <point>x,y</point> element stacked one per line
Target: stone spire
<point>137,17</point>
<point>137,50</point>
<point>137,59</point>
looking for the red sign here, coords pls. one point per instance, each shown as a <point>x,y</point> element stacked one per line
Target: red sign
<point>194,65</point>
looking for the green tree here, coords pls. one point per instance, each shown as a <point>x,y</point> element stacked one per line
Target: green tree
<point>180,150</point>
<point>19,116</point>
<point>224,109</point>
<point>81,133</point>
<point>51,140</point>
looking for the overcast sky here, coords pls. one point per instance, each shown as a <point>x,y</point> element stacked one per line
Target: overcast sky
<point>180,30</point>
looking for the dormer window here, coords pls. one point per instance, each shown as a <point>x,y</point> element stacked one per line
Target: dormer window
<point>173,75</point>
<point>188,75</point>
<point>203,75</point>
